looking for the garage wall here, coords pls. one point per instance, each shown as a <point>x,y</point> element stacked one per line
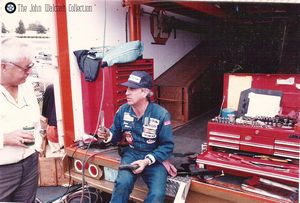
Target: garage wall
<point>167,55</point>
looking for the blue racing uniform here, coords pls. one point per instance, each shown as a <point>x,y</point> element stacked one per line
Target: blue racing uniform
<point>149,136</point>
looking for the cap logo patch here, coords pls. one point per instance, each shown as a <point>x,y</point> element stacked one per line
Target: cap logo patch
<point>135,78</point>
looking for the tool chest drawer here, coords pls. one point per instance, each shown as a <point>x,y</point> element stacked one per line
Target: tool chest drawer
<point>277,142</point>
<point>221,139</point>
<point>257,143</point>
<point>244,165</point>
<point>287,148</point>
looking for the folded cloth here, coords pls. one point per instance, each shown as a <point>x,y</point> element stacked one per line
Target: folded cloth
<point>172,171</point>
<point>124,53</point>
<point>88,64</point>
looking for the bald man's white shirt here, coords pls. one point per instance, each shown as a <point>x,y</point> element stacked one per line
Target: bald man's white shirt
<point>14,116</point>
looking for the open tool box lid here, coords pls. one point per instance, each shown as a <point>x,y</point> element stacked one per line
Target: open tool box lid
<point>248,151</point>
<point>288,84</point>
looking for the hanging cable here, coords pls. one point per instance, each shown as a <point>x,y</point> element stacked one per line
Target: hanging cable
<point>126,24</point>
<point>100,109</point>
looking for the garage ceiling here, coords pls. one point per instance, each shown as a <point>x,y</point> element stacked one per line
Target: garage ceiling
<point>233,11</point>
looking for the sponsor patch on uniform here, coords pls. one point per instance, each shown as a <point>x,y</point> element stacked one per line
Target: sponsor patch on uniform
<point>127,126</point>
<point>167,122</point>
<point>148,135</point>
<point>150,141</point>
<point>154,122</point>
<point>150,127</point>
<point>127,117</point>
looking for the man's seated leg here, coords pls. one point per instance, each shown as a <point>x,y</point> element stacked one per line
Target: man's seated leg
<point>124,183</point>
<point>155,176</point>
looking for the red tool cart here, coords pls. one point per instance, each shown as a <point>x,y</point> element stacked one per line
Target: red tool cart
<point>252,144</point>
<point>114,93</point>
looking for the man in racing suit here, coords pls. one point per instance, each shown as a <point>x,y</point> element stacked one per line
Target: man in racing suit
<point>147,128</point>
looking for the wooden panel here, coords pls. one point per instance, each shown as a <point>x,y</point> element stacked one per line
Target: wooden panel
<point>199,76</point>
<point>217,194</point>
<point>60,175</point>
<point>172,99</point>
<point>52,172</point>
<point>107,157</point>
<point>195,197</point>
<point>47,172</point>
<point>187,102</point>
<point>189,68</point>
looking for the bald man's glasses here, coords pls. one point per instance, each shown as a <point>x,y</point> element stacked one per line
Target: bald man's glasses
<point>25,69</point>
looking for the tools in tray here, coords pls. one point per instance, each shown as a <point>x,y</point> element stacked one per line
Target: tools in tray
<point>278,121</point>
<point>257,161</point>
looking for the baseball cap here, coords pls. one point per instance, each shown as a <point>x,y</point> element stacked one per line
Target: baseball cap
<point>138,79</point>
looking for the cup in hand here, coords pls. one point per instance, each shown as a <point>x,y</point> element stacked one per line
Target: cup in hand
<point>30,130</point>
<point>103,133</point>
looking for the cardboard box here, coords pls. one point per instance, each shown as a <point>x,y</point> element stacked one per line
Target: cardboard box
<point>51,172</point>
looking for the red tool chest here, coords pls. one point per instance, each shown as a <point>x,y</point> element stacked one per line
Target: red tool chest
<point>247,149</point>
<point>114,93</point>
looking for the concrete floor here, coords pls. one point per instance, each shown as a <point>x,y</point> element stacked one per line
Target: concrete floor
<point>190,137</point>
